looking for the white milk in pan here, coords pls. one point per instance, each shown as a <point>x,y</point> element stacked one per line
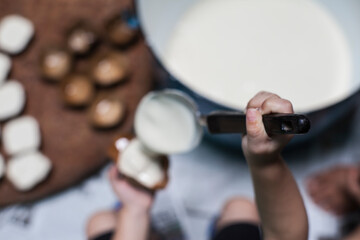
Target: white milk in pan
<point>228,50</point>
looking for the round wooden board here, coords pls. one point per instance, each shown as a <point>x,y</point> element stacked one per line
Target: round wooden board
<point>74,147</point>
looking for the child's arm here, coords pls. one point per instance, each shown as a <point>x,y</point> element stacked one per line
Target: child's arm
<point>279,202</point>
<point>134,217</point>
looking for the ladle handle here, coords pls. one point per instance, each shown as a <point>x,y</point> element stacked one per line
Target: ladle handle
<point>234,122</point>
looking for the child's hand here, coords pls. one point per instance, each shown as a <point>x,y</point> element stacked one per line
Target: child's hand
<point>258,147</point>
<point>133,199</point>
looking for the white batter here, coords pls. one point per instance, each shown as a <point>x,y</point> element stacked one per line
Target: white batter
<point>165,125</point>
<point>228,50</point>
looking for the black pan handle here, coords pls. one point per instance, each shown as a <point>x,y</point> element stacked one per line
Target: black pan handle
<point>234,122</point>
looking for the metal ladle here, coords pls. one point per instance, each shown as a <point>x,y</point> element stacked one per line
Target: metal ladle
<point>224,122</point>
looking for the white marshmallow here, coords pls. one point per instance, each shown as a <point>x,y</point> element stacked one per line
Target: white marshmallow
<point>27,170</point>
<point>12,99</point>
<point>137,163</point>
<point>15,33</point>
<point>152,175</point>
<point>5,66</point>
<point>21,135</point>
<point>2,166</point>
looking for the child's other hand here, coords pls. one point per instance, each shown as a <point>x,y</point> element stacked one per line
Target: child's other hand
<point>258,147</point>
<point>132,198</point>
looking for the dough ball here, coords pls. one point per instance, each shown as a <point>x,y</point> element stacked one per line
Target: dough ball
<point>81,38</point>
<point>122,29</point>
<point>55,63</point>
<point>107,111</point>
<point>77,90</point>
<point>110,68</point>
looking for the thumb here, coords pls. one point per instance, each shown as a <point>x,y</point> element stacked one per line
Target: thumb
<point>254,125</point>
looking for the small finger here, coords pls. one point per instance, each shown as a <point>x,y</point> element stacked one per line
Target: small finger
<point>259,98</point>
<point>274,104</point>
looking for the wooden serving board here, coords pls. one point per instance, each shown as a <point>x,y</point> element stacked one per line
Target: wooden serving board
<point>74,147</point>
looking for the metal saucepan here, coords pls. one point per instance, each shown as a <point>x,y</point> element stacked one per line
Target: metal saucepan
<point>159,20</point>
